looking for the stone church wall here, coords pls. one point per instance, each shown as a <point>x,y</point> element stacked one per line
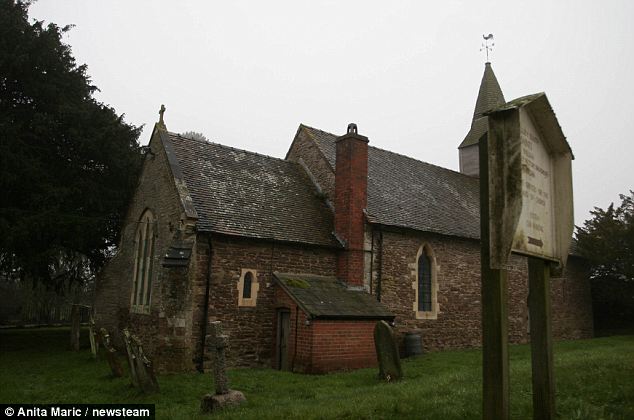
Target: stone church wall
<point>164,329</point>
<point>572,302</point>
<point>458,321</point>
<point>251,330</point>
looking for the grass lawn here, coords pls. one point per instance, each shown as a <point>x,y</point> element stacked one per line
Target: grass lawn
<point>595,380</point>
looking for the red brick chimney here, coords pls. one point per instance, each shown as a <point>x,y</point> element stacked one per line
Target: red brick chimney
<point>351,187</point>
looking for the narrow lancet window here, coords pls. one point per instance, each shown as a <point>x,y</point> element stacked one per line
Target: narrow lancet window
<point>248,280</point>
<point>424,283</point>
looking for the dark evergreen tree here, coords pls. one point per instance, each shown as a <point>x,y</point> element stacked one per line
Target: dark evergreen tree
<point>68,163</point>
<point>607,241</point>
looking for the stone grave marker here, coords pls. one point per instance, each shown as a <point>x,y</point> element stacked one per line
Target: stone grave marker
<point>224,396</point>
<point>144,368</point>
<point>141,368</point>
<point>387,353</point>
<point>92,334</point>
<point>111,354</point>
<point>127,338</point>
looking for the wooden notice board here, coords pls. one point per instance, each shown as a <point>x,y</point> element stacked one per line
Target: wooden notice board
<point>530,182</point>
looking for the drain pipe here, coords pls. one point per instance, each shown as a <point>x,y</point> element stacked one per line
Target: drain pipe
<point>379,276</point>
<point>205,321</point>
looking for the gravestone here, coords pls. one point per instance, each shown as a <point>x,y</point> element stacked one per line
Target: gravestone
<point>387,353</point>
<point>224,396</point>
<point>141,368</point>
<point>127,339</point>
<point>111,354</point>
<point>144,368</point>
<point>92,334</point>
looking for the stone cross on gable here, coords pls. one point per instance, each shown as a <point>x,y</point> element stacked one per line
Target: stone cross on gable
<point>161,112</point>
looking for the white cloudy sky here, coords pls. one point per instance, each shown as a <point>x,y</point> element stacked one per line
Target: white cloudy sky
<point>246,74</point>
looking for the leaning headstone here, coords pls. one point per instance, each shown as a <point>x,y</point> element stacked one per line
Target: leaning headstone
<point>387,353</point>
<point>144,368</point>
<point>111,354</point>
<point>127,338</point>
<point>92,334</point>
<point>224,396</point>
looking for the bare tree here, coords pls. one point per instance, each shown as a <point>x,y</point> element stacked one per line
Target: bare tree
<point>194,135</point>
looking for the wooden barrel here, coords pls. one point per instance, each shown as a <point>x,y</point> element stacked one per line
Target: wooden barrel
<point>413,344</point>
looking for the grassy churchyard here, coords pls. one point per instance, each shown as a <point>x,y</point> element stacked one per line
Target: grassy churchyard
<point>595,380</point>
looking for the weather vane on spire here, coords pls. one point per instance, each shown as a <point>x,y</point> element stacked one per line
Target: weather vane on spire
<point>485,46</point>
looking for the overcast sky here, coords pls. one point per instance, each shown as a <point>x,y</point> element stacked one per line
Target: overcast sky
<point>246,74</point>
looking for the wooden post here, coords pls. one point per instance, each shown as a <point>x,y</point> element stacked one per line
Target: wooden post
<point>541,339</point>
<point>75,327</point>
<point>495,357</point>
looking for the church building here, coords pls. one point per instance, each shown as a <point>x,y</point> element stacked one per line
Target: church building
<point>300,257</point>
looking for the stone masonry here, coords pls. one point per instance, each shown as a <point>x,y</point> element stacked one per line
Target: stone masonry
<point>458,265</point>
<point>251,329</point>
<point>165,330</point>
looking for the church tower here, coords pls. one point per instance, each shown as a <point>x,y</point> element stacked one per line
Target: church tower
<point>489,97</point>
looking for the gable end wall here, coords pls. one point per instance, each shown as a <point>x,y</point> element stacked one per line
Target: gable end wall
<point>165,331</point>
<point>305,149</point>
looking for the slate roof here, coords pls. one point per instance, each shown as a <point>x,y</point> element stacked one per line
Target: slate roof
<point>490,96</point>
<point>406,192</point>
<point>326,297</point>
<point>237,192</point>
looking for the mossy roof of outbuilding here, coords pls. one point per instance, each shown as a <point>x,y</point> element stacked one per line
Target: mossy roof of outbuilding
<point>324,297</point>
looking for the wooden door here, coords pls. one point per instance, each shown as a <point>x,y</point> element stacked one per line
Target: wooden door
<point>283,332</point>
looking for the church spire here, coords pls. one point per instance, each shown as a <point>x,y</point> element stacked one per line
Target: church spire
<point>489,97</point>
<point>490,94</point>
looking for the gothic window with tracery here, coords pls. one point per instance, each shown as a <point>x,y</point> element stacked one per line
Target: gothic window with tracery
<point>143,263</point>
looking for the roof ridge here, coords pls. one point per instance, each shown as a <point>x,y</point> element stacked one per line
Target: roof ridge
<point>317,129</point>
<point>396,153</point>
<point>423,162</point>
<point>229,147</point>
